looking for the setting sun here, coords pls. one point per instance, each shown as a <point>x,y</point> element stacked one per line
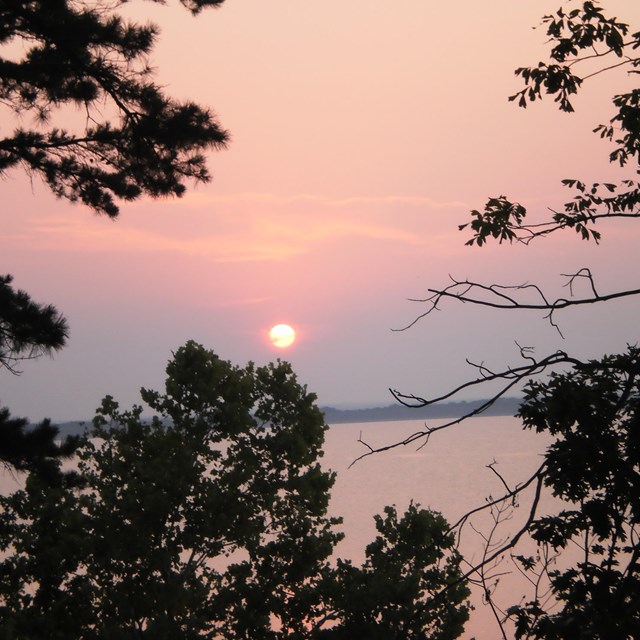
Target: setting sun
<point>282,335</point>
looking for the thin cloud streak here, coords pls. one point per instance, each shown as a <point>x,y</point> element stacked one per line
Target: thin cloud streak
<point>246,228</point>
<point>197,199</point>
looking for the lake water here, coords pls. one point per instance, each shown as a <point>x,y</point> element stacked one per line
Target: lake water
<point>448,475</point>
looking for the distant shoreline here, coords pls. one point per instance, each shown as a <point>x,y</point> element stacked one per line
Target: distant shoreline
<point>393,412</point>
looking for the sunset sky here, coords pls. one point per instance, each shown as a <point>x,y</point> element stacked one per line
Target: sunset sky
<point>363,132</point>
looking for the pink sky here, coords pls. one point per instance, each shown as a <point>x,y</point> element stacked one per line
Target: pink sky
<point>362,134</point>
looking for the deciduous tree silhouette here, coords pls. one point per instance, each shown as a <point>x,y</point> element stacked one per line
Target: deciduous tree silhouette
<point>210,521</point>
<point>591,409</point>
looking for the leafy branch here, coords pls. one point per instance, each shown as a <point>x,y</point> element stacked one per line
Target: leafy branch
<point>503,220</point>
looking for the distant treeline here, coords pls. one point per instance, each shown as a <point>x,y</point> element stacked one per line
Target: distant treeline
<point>501,407</point>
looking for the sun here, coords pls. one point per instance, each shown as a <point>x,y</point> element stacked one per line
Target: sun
<point>282,335</point>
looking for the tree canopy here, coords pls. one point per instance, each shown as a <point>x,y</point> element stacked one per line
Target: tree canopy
<point>590,408</point>
<point>27,329</point>
<point>209,520</point>
<point>128,139</point>
<point>581,39</point>
<point>131,138</point>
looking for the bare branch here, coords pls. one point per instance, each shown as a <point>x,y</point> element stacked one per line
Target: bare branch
<point>516,374</point>
<point>510,495</point>
<point>498,296</point>
<point>598,54</point>
<point>539,478</point>
<point>632,61</point>
<point>501,478</point>
<point>512,377</point>
<point>489,578</point>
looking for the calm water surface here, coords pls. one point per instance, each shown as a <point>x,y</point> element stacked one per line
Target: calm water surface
<point>449,475</point>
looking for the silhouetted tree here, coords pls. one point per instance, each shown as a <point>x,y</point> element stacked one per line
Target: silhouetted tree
<point>28,447</point>
<point>210,521</point>
<point>27,329</point>
<point>591,409</point>
<point>130,139</point>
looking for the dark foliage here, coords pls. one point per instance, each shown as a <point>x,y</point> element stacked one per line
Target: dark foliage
<point>585,573</point>
<point>593,465</point>
<point>130,139</point>
<point>27,447</point>
<point>378,601</point>
<point>85,55</point>
<point>583,38</point>
<point>27,329</point>
<point>210,521</point>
